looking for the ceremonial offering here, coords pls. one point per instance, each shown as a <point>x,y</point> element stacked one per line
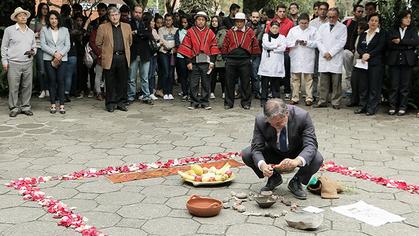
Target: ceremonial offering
<point>198,175</point>
<point>265,201</point>
<point>203,206</point>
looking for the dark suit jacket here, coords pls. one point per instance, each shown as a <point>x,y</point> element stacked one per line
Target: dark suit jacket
<point>140,41</point>
<point>405,50</point>
<point>375,48</point>
<point>301,136</point>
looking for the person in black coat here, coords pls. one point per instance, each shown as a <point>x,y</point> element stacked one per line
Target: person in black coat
<point>371,47</point>
<point>140,55</point>
<point>401,59</point>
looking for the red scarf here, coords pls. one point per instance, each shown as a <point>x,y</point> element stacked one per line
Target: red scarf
<point>199,41</point>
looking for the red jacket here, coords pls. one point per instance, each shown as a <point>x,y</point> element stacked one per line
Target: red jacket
<point>199,41</point>
<point>284,26</point>
<point>237,38</point>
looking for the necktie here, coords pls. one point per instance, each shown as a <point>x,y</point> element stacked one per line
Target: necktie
<point>283,140</point>
<point>331,27</point>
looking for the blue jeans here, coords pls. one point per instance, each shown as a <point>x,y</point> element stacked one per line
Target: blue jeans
<point>41,74</point>
<point>151,74</point>
<point>70,74</point>
<point>166,73</point>
<point>56,85</point>
<point>255,77</point>
<point>132,80</point>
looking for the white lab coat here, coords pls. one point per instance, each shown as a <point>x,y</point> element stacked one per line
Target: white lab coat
<point>333,43</point>
<point>302,57</point>
<point>272,63</point>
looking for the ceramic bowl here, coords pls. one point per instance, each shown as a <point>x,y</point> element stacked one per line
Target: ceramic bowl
<point>265,202</point>
<point>203,206</point>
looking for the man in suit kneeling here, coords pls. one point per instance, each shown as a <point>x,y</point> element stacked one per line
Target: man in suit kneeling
<point>284,135</point>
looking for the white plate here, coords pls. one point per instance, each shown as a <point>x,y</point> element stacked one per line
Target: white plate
<point>196,183</point>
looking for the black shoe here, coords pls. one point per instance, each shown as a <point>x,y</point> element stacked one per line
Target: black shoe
<point>28,112</point>
<point>110,109</point>
<point>320,105</point>
<point>392,112</point>
<point>273,181</point>
<point>227,107</point>
<point>351,104</point>
<point>122,108</point>
<point>369,113</point>
<point>149,102</point>
<point>67,98</point>
<point>336,107</point>
<point>296,188</point>
<point>13,113</point>
<point>247,107</point>
<point>309,103</point>
<point>359,111</point>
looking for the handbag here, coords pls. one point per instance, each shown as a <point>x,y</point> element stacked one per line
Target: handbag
<point>153,46</point>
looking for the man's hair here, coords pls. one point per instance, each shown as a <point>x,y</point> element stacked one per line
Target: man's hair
<point>168,15</point>
<point>371,4</point>
<point>356,6</point>
<point>125,8</point>
<point>270,13</point>
<point>113,10</point>
<point>335,9</point>
<point>234,7</point>
<point>77,6</point>
<point>275,107</point>
<point>138,5</point>
<point>316,4</point>
<point>324,4</point>
<point>101,5</point>
<point>281,5</point>
<point>304,16</point>
<point>294,4</point>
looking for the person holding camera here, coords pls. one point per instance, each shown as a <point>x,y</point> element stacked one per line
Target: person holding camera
<point>17,50</point>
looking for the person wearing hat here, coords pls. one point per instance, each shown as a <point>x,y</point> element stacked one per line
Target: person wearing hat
<point>200,48</point>
<point>239,45</point>
<point>17,50</point>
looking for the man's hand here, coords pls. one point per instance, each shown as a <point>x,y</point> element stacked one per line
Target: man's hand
<point>288,165</point>
<point>365,57</point>
<point>5,67</point>
<point>58,56</point>
<point>396,40</point>
<point>211,66</point>
<point>327,56</point>
<point>189,66</point>
<point>266,169</point>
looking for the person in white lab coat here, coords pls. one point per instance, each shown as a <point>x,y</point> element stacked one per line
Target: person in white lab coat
<point>302,43</point>
<point>272,67</point>
<point>330,40</point>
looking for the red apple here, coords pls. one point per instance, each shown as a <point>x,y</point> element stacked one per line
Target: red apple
<point>198,178</point>
<point>229,173</point>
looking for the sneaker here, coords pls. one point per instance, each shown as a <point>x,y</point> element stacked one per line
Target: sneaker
<point>153,97</point>
<point>42,95</point>
<point>185,98</point>
<point>224,95</point>
<point>171,97</point>
<point>141,97</point>
<point>166,97</point>
<point>81,95</point>
<point>148,101</point>
<point>90,94</point>
<point>191,107</point>
<point>212,96</point>
<point>287,96</point>
<point>47,93</point>
<point>180,94</point>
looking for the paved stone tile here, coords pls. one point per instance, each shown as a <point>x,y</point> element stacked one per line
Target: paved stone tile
<point>130,223</point>
<point>123,231</point>
<point>119,198</point>
<point>20,214</point>
<point>99,187</point>
<point>253,229</point>
<point>164,191</point>
<point>102,219</point>
<point>38,228</point>
<point>226,217</point>
<point>172,226</point>
<point>212,229</point>
<point>144,211</point>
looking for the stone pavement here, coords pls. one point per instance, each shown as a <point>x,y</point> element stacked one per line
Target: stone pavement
<point>89,137</point>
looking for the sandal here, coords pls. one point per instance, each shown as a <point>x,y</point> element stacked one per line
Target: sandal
<point>62,110</point>
<point>52,110</point>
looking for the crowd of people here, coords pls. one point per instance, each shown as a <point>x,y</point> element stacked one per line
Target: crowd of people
<point>127,55</point>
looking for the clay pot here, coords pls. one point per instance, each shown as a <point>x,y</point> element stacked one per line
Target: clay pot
<point>203,206</point>
<point>265,202</point>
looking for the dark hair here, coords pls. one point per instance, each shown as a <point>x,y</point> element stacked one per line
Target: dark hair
<point>303,16</point>
<point>220,24</point>
<point>101,5</point>
<point>363,24</point>
<point>78,15</point>
<point>157,16</point>
<point>294,4</point>
<point>335,9</point>
<point>234,7</point>
<point>77,6</point>
<point>56,14</point>
<point>371,4</point>
<point>124,8</point>
<point>112,5</point>
<point>281,5</point>
<point>356,6</point>
<point>221,14</point>
<point>316,4</point>
<point>147,18</point>
<point>402,14</point>
<point>103,19</point>
<point>324,4</point>
<point>168,15</point>
<point>270,13</point>
<point>65,10</point>
<point>184,16</point>
<point>372,15</point>
<point>39,9</point>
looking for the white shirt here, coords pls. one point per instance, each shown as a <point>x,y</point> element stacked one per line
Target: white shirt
<point>302,57</point>
<point>316,23</point>
<point>371,36</point>
<point>54,35</point>
<point>402,32</point>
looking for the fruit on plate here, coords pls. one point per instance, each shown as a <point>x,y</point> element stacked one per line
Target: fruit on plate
<point>204,174</point>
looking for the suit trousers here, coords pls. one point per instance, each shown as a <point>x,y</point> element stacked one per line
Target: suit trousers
<point>327,79</point>
<point>370,84</point>
<point>355,86</point>
<point>296,84</point>
<point>238,68</point>
<point>275,157</point>
<point>275,83</point>
<point>19,77</point>
<point>400,83</point>
<point>199,76</point>
<point>116,82</point>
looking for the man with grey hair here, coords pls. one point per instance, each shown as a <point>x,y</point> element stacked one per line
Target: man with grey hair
<point>283,139</point>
